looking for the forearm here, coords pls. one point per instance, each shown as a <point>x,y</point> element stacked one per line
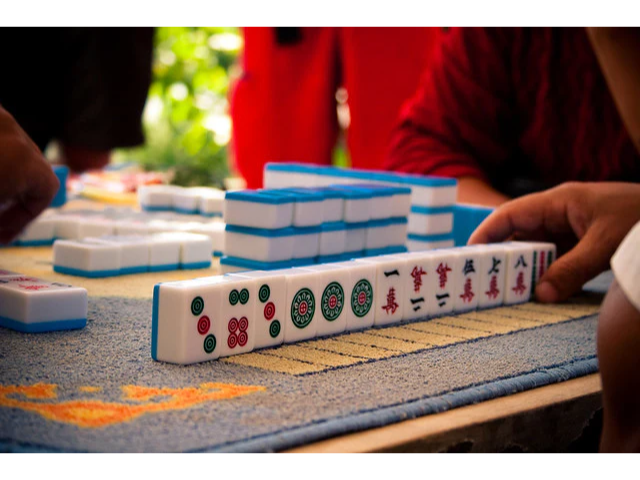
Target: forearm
<point>477,192</point>
<point>618,52</point>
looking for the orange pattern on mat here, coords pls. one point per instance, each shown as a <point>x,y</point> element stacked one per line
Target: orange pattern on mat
<point>96,414</point>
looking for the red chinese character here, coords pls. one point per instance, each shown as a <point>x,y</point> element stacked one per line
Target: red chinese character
<point>468,294</point>
<point>417,278</point>
<point>442,273</point>
<point>32,287</point>
<point>391,302</point>
<point>493,291</point>
<point>520,286</point>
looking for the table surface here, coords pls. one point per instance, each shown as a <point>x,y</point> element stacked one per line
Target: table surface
<point>554,418</point>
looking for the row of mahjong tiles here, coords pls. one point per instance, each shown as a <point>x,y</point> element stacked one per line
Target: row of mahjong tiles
<point>207,318</point>
<point>78,224</point>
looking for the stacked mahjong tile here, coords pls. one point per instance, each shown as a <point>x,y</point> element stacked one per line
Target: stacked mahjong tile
<point>79,224</point>
<point>212,317</point>
<point>29,304</point>
<point>432,198</point>
<point>113,255</point>
<point>196,200</point>
<point>283,228</point>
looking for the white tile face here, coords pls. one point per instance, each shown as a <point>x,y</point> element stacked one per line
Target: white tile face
<point>42,228</point>
<point>238,314</point>
<point>28,300</point>
<point>263,249</point>
<point>492,276</point>
<point>332,242</point>
<point>355,239</point>
<point>357,210</point>
<point>444,288</point>
<point>134,251</point>
<point>518,273</point>
<point>431,224</point>
<point>189,322</point>
<point>333,210</point>
<point>258,215</point>
<point>433,196</point>
<point>305,246</point>
<point>195,249</point>
<point>419,246</point>
<point>466,276</point>
<point>377,237</point>
<point>359,295</point>
<point>301,315</point>
<point>389,288</point>
<point>164,253</point>
<point>544,254</point>
<point>419,284</point>
<point>271,301</point>
<point>308,214</point>
<point>333,303</point>
<point>86,256</point>
<point>211,202</point>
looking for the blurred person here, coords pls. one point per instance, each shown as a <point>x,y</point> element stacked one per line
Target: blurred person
<point>84,87</point>
<point>510,111</point>
<point>284,105</point>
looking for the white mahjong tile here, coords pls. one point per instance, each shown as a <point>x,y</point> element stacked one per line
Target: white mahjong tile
<point>188,325</point>
<point>492,276</point>
<point>389,290</point>
<point>195,249</point>
<point>444,287</point>
<point>164,253</point>
<point>270,306</point>
<point>518,274</point>
<point>333,303</point>
<point>238,314</point>
<point>29,304</point>
<point>466,277</point>
<point>7,273</point>
<point>134,251</point>
<point>360,294</point>
<point>302,307</point>
<point>86,256</point>
<point>419,283</point>
<point>41,229</point>
<point>544,254</point>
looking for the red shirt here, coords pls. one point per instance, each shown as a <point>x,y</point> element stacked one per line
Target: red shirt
<point>502,103</point>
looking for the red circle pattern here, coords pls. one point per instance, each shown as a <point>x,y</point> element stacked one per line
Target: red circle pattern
<point>269,310</point>
<point>243,324</point>
<point>233,325</point>
<point>232,341</point>
<point>204,324</point>
<point>242,338</point>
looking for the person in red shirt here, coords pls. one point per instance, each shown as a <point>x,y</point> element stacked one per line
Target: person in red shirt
<point>510,111</point>
<point>284,105</point>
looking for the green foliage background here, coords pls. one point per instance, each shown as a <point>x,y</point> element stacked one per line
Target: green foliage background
<point>186,117</point>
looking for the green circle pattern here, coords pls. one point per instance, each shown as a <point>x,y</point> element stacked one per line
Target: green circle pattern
<point>274,329</point>
<point>244,296</point>
<point>363,286</point>
<point>234,296</point>
<point>197,305</point>
<point>209,343</point>
<point>334,288</point>
<point>264,293</point>
<point>302,320</point>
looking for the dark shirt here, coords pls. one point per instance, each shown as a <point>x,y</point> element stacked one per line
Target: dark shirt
<point>83,86</point>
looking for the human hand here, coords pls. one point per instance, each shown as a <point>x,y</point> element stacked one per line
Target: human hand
<point>27,182</point>
<point>586,220</point>
<point>81,159</point>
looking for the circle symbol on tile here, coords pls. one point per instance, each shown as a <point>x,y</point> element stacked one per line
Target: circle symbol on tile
<point>234,296</point>
<point>204,324</point>
<point>303,308</point>
<point>274,329</point>
<point>197,306</point>
<point>243,324</point>
<point>332,301</point>
<point>244,296</point>
<point>233,325</point>
<point>269,310</point>
<point>209,343</point>
<point>264,293</point>
<point>243,338</point>
<point>232,341</point>
<point>362,298</point>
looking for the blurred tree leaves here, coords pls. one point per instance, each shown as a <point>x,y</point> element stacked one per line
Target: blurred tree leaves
<point>186,117</point>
